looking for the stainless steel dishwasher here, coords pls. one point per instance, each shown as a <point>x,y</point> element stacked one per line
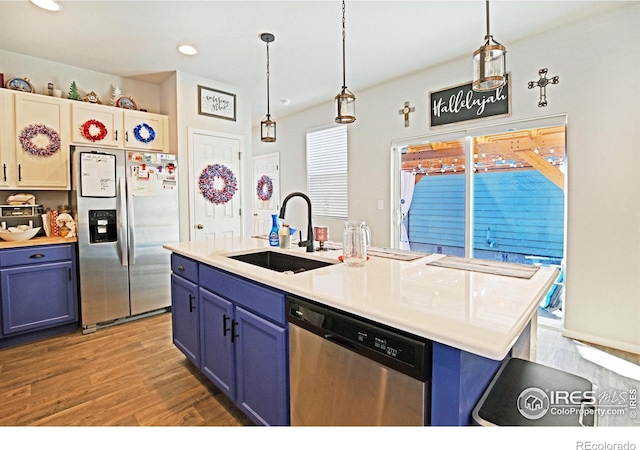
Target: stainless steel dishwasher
<point>346,370</point>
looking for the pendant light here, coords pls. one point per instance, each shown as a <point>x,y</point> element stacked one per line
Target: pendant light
<point>345,100</point>
<point>489,63</point>
<point>268,126</point>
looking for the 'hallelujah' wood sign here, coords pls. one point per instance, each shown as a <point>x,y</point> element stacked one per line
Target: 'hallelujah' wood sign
<point>461,103</point>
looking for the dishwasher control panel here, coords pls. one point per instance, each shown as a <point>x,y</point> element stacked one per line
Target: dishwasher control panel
<point>393,348</point>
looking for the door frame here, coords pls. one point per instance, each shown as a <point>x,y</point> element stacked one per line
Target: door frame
<point>276,191</point>
<point>190,150</point>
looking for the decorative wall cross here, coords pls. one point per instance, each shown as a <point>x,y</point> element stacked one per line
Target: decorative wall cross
<point>406,110</point>
<point>542,84</point>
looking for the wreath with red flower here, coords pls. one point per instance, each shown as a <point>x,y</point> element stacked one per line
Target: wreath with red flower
<point>87,128</point>
<point>28,134</point>
<point>217,184</point>
<point>264,189</point>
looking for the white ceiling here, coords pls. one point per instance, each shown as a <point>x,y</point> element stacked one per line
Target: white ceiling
<point>384,40</point>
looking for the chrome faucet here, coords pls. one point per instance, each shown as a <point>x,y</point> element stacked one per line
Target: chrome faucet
<point>309,242</point>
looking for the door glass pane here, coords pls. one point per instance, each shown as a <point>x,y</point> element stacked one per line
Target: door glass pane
<point>433,197</point>
<point>518,196</point>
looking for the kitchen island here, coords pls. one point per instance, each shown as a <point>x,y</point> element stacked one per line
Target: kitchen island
<point>473,319</point>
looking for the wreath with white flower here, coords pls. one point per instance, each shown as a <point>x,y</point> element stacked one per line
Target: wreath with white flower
<point>88,127</point>
<point>28,134</point>
<point>264,189</point>
<point>149,131</point>
<point>217,184</point>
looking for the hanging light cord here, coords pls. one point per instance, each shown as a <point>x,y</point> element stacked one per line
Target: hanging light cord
<point>268,113</point>
<point>344,35</point>
<point>488,36</point>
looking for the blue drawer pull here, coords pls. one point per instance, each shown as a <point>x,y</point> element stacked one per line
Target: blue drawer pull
<point>37,256</point>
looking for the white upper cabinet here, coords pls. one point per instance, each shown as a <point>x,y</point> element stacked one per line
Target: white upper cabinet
<point>96,125</point>
<point>111,127</point>
<point>145,131</point>
<point>41,143</point>
<point>6,125</point>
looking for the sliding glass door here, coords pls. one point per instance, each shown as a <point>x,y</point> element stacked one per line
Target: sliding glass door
<point>494,193</point>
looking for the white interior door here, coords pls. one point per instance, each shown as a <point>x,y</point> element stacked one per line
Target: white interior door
<point>215,172</point>
<point>266,176</point>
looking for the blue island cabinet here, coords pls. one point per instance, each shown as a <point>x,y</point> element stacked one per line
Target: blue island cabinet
<point>234,331</point>
<point>185,309</point>
<point>458,381</point>
<point>39,293</point>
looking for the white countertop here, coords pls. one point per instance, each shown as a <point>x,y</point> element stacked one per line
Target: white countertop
<point>475,312</point>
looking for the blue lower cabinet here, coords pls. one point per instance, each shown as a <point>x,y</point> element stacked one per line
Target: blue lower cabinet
<point>217,346</point>
<point>261,369</point>
<point>241,344</point>
<point>185,317</point>
<point>38,295</point>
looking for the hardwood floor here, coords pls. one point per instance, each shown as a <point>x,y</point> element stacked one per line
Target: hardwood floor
<point>125,375</point>
<point>133,375</point>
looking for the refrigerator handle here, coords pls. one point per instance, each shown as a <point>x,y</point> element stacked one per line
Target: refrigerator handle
<point>132,225</point>
<point>121,226</point>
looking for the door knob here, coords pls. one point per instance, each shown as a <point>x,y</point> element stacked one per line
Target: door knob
<point>199,226</point>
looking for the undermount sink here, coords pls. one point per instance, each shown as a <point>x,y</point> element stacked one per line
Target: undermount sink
<point>280,262</point>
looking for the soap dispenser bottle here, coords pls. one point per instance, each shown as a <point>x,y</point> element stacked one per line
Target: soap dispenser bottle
<point>274,240</point>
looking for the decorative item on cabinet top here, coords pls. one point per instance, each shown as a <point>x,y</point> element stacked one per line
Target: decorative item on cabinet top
<point>20,84</point>
<point>91,97</point>
<point>126,103</point>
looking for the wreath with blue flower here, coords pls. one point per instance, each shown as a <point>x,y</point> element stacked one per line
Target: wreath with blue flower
<point>209,184</point>
<point>31,132</point>
<point>264,189</point>
<point>151,133</point>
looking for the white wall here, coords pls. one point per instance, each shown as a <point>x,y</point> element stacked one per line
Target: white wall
<point>41,72</point>
<point>187,117</point>
<point>598,62</point>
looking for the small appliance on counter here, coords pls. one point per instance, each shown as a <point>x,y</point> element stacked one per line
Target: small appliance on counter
<point>17,215</point>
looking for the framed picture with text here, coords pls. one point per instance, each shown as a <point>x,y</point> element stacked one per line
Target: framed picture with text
<point>214,103</point>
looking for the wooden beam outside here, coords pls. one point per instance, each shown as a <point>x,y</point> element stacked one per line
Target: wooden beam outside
<point>547,169</point>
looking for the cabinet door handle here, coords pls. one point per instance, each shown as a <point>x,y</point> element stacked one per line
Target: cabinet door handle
<point>126,136</point>
<point>191,307</point>
<point>4,171</point>
<point>37,256</point>
<point>181,268</point>
<point>224,324</point>
<point>116,135</point>
<point>234,335</point>
<point>19,172</point>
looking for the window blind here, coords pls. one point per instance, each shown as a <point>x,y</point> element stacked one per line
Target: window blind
<point>327,171</point>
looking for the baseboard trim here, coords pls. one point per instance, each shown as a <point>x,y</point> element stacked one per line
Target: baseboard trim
<point>599,340</point>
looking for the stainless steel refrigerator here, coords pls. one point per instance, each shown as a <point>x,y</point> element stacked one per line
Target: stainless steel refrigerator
<point>126,207</point>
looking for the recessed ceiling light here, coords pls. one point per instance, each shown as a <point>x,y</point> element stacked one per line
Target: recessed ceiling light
<point>187,49</point>
<point>49,5</point>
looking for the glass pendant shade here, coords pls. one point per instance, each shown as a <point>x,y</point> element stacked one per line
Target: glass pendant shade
<point>345,100</point>
<point>346,106</point>
<point>489,66</point>
<point>268,130</point>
